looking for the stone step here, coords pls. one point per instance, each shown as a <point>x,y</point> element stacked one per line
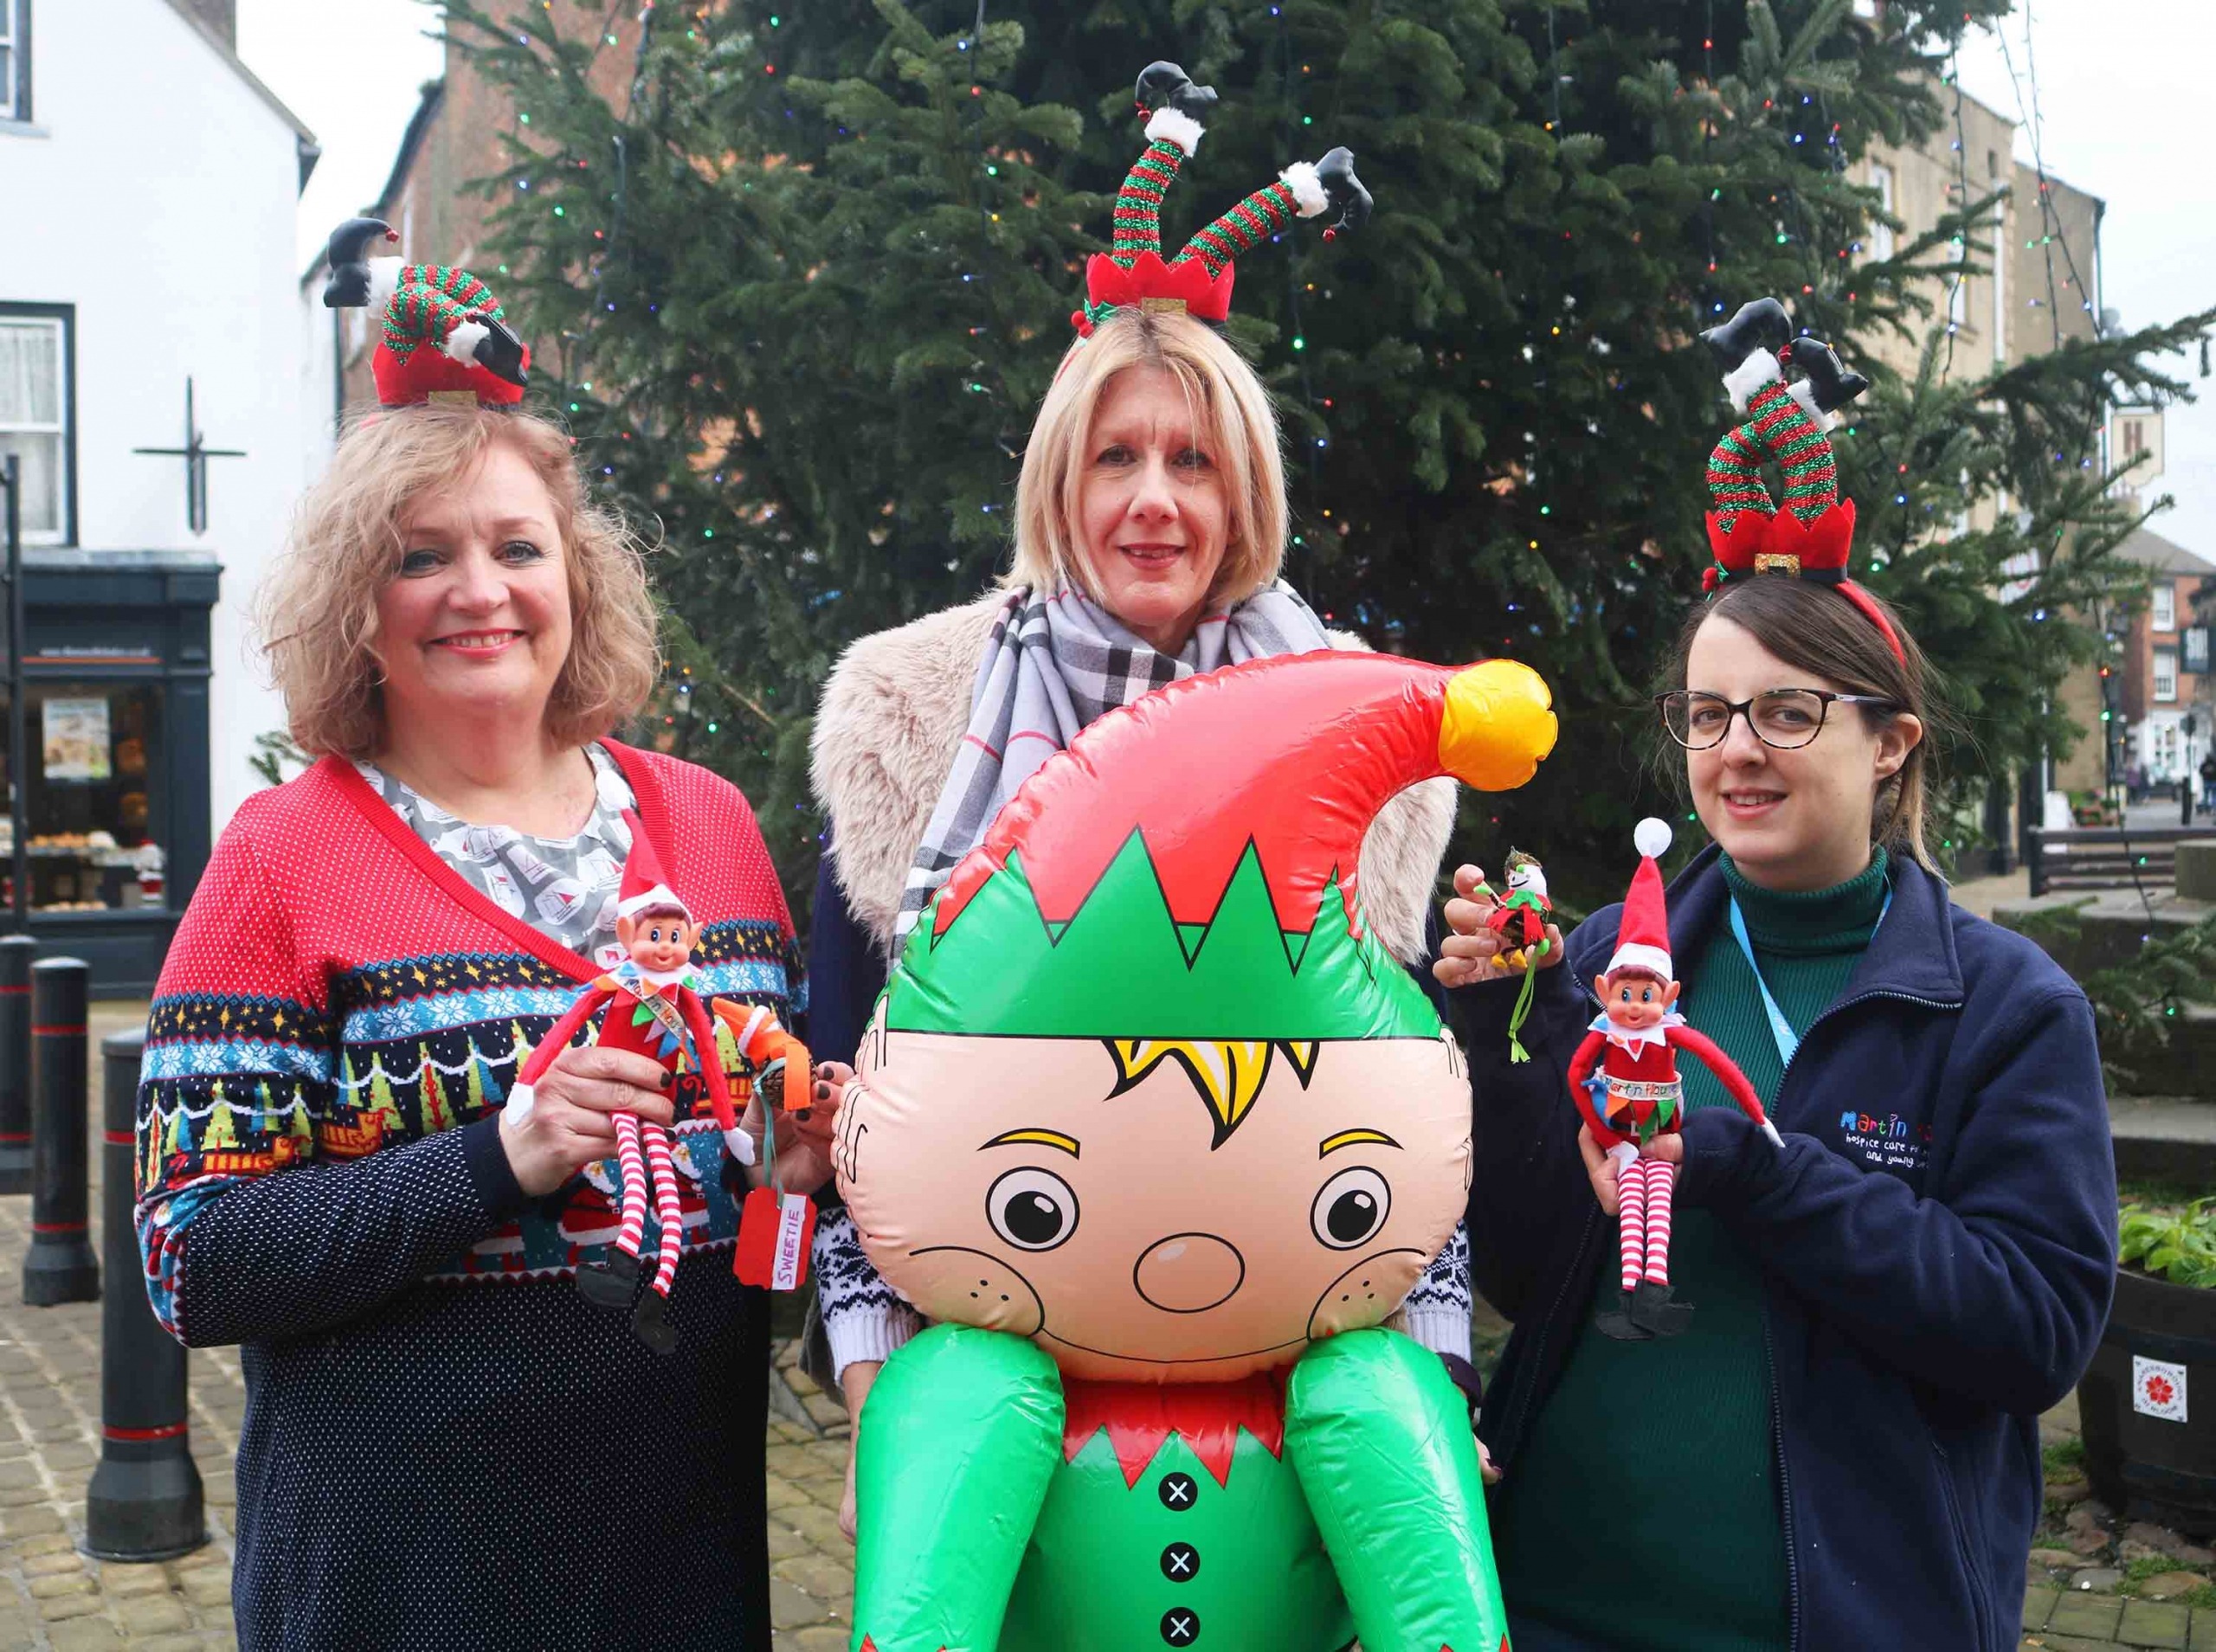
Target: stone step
<point>2164,1141</point>
<point>2111,925</point>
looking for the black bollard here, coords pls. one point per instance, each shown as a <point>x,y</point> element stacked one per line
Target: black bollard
<point>145,1501</point>
<point>15,951</point>
<point>60,1266</point>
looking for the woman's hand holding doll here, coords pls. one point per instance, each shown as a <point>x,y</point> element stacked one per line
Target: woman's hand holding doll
<point>1471,953</point>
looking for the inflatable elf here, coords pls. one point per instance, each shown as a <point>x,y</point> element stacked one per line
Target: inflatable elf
<point>1160,1136</point>
<point>1637,1095</point>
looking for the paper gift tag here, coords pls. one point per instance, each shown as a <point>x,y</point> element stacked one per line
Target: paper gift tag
<point>773,1231</point>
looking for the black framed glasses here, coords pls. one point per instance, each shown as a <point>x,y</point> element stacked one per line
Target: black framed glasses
<point>1785,718</point>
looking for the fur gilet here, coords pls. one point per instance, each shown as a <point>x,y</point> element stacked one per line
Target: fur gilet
<point>894,711</point>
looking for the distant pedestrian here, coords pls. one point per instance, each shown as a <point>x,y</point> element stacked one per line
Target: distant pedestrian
<point>2134,783</point>
<point>2208,781</point>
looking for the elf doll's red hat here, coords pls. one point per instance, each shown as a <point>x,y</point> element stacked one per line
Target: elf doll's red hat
<point>444,338</point>
<point>1643,936</point>
<point>644,885</point>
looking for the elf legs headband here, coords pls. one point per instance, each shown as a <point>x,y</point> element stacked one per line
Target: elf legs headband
<point>442,334</point>
<point>1812,537</point>
<point>1198,281</point>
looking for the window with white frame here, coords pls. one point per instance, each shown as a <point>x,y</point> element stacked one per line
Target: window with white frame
<point>1881,229</point>
<point>2164,598</point>
<point>2166,673</point>
<point>35,416</point>
<point>15,60</point>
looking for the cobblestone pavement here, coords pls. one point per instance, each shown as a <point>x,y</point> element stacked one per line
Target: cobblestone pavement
<point>2096,1582</point>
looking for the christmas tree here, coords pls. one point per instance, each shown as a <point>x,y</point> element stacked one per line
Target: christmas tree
<point>219,1133</point>
<point>382,1102</point>
<point>800,286</point>
<point>433,1096</point>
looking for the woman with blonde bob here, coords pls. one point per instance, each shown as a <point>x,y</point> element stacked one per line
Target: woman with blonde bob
<point>445,1444</point>
<point>1151,526</point>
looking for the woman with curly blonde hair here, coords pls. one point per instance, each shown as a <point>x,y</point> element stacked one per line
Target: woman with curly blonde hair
<point>445,1444</point>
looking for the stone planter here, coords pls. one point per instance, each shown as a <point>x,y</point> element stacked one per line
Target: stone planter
<point>2154,1467</point>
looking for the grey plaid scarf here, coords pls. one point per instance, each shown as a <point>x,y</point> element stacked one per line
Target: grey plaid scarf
<point>1051,666</point>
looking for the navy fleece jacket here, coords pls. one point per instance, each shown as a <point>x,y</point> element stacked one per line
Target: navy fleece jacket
<point>1937,1242</point>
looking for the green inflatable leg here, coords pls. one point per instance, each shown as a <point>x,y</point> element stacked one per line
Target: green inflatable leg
<point>1381,1439</point>
<point>962,1433</point>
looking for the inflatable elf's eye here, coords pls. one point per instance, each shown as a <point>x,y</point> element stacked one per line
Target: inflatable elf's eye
<point>1350,1208</point>
<point>1032,1209</point>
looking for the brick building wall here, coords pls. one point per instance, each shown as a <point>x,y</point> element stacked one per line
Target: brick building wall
<point>458,139</point>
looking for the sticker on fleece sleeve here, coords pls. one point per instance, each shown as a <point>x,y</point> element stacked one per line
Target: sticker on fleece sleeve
<point>2157,1388</point>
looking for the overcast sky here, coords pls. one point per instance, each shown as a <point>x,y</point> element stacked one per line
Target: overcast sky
<point>2120,97</point>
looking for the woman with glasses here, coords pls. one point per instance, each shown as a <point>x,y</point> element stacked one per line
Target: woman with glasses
<point>1841,1449</point>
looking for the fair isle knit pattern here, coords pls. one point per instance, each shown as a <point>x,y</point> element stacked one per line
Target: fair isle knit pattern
<point>337,991</point>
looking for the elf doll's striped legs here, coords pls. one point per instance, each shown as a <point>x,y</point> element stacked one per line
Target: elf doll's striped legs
<point>1631,1208</point>
<point>629,1237</point>
<point>1659,1176</point>
<point>665,1206</point>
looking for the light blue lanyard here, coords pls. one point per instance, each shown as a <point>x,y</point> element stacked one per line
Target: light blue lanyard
<point>1780,1028</point>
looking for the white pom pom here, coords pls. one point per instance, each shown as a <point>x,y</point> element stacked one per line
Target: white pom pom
<point>1650,836</point>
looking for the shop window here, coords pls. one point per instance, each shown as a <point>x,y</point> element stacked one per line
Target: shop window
<point>35,411</point>
<point>15,60</point>
<point>93,840</point>
<point>2166,673</point>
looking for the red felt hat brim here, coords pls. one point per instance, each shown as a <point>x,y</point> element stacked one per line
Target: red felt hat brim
<point>428,369</point>
<point>1107,282</point>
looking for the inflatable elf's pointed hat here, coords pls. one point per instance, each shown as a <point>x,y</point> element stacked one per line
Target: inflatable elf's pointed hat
<point>1187,869</point>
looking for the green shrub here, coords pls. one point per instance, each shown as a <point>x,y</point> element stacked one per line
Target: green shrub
<point>2175,1243</point>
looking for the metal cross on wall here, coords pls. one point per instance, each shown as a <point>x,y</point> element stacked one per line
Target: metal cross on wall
<point>196,453</point>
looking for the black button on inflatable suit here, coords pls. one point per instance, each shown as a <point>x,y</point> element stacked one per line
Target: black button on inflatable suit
<point>1177,1492</point>
<point>1180,1562</point>
<point>1181,1626</point>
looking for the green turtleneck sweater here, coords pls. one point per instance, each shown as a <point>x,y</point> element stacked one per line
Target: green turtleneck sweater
<point>1643,1511</point>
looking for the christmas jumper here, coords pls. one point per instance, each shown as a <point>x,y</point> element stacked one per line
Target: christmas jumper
<point>429,1401</point>
<point>1920,1270</point>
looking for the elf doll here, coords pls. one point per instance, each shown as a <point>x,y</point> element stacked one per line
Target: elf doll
<point>651,1005</point>
<point>1637,1095</point>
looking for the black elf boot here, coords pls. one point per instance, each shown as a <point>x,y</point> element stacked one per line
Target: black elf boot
<point>610,1282</point>
<point>1164,86</point>
<point>1653,1312</point>
<point>1336,173</point>
<point>1615,1320</point>
<point>500,352</point>
<point>650,1320</point>
<point>348,287</point>
<point>1829,383</point>
<point>1760,323</point>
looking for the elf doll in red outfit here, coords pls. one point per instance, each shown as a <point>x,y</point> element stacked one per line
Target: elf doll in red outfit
<point>1637,1095</point>
<point>651,1005</point>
